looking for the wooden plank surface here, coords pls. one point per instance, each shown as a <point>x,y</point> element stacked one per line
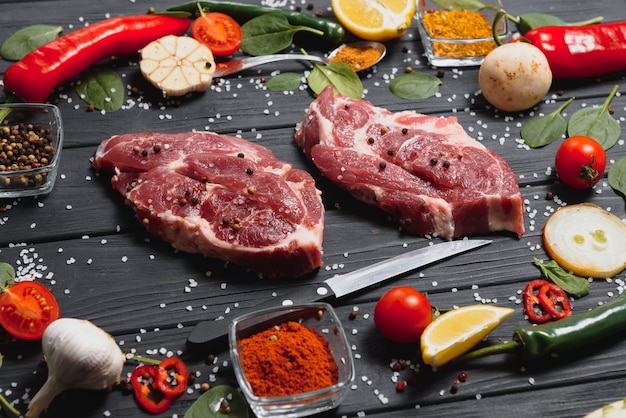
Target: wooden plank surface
<point>102,266</point>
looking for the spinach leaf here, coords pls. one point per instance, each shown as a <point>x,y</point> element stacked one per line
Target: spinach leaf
<point>471,5</point>
<point>102,88</point>
<point>7,275</point>
<point>269,33</point>
<point>339,75</point>
<point>208,405</point>
<point>573,285</point>
<point>27,39</point>
<point>529,21</point>
<point>596,123</point>
<point>415,86</point>
<point>617,176</point>
<point>284,82</point>
<point>545,129</point>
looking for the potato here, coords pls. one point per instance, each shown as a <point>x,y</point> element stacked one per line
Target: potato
<point>515,76</point>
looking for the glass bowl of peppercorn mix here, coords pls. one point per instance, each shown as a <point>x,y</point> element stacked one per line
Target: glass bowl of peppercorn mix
<point>31,139</point>
<point>291,361</point>
<point>459,37</point>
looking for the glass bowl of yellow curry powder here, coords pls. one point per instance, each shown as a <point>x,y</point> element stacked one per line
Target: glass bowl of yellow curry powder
<point>459,37</point>
<point>291,361</point>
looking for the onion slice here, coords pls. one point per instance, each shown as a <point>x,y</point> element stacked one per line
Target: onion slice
<point>586,240</point>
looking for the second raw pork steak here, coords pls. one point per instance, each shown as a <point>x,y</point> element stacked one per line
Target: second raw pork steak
<point>220,196</point>
<point>424,170</point>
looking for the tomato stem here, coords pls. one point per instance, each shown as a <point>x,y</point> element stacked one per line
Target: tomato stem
<point>5,403</point>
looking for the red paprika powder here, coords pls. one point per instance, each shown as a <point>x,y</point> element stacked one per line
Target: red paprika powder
<point>286,360</point>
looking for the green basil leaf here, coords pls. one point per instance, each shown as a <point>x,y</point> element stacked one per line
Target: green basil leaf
<point>284,82</point>
<point>269,33</point>
<point>7,275</point>
<point>596,123</point>
<point>573,285</point>
<point>617,176</point>
<point>415,86</point>
<point>339,75</point>
<point>103,89</point>
<point>471,5</point>
<point>208,404</point>
<point>27,39</point>
<point>545,129</point>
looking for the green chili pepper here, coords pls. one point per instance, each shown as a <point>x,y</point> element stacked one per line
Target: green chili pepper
<point>563,336</point>
<point>333,31</point>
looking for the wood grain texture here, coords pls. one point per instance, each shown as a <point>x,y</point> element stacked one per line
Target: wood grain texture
<point>102,266</point>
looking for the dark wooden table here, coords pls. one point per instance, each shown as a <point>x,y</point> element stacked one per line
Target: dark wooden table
<point>86,245</point>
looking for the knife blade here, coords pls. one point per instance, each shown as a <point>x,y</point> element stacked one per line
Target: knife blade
<point>212,334</point>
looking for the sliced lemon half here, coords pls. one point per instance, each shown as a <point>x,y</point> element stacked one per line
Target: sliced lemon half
<point>456,332</point>
<point>375,20</point>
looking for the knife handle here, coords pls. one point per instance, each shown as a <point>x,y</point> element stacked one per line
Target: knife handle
<point>212,336</point>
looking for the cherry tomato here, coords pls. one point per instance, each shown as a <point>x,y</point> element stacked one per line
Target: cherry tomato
<point>580,162</point>
<point>218,31</point>
<point>402,313</point>
<point>26,309</point>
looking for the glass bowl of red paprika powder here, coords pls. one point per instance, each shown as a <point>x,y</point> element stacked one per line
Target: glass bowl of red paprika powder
<point>459,37</point>
<point>31,139</point>
<point>291,361</point>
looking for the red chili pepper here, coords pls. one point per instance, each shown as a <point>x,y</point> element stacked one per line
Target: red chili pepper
<point>582,51</point>
<point>172,376</point>
<point>533,307</point>
<point>36,75</point>
<point>152,399</point>
<point>554,300</point>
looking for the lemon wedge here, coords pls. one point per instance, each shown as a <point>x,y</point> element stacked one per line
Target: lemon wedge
<point>177,65</point>
<point>456,332</point>
<point>586,240</point>
<point>378,20</point>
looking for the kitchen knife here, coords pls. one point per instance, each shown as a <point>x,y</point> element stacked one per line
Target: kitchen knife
<point>211,334</point>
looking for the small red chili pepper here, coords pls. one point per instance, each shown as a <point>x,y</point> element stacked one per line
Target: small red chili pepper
<point>582,51</point>
<point>554,300</point>
<point>533,307</point>
<point>152,399</point>
<point>172,376</point>
<point>36,75</point>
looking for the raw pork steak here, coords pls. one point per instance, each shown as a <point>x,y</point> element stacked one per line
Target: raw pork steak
<point>220,196</point>
<point>425,170</point>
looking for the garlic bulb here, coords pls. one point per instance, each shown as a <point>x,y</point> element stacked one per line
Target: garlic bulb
<point>79,355</point>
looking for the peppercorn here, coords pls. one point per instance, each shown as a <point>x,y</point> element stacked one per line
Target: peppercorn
<point>382,165</point>
<point>240,155</point>
<point>405,131</point>
<point>225,407</point>
<point>401,386</point>
<point>144,152</point>
<point>352,314</point>
<point>205,387</point>
<point>156,148</point>
<point>446,164</point>
<point>370,140</point>
<point>249,171</point>
<point>433,161</point>
<point>462,376</point>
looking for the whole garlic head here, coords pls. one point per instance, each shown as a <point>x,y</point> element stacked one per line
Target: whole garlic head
<point>79,355</point>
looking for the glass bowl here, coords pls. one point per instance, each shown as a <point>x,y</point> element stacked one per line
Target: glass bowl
<point>452,52</point>
<point>39,143</point>
<point>320,317</point>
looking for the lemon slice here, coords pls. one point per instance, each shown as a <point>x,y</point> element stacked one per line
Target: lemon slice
<point>457,331</point>
<point>586,240</point>
<point>376,20</point>
<point>616,409</point>
<point>177,65</point>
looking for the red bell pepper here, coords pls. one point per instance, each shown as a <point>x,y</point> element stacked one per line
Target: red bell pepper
<point>36,75</point>
<point>582,51</point>
<point>143,381</point>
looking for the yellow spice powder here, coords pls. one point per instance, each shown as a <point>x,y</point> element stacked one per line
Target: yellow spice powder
<point>356,57</point>
<point>459,24</point>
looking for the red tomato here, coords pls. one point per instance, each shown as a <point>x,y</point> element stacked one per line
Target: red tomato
<point>402,313</point>
<point>218,31</point>
<point>26,309</point>
<point>580,162</point>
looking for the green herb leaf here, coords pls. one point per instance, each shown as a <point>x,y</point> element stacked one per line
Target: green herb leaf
<point>545,129</point>
<point>269,33</point>
<point>529,21</point>
<point>596,123</point>
<point>25,40</point>
<point>573,285</point>
<point>103,89</point>
<point>339,75</point>
<point>284,82</point>
<point>415,86</point>
<point>617,176</point>
<point>208,404</point>
<point>471,5</point>
<point>7,275</point>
